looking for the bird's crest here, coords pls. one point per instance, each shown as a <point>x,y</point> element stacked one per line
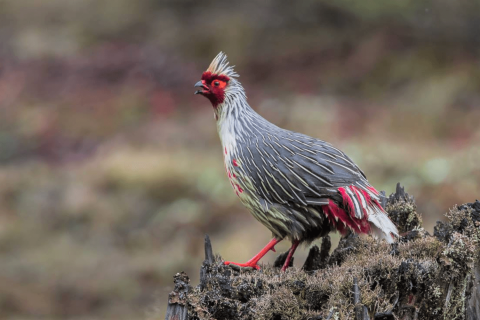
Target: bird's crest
<point>220,66</point>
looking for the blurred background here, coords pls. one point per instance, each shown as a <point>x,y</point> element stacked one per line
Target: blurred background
<point>111,170</point>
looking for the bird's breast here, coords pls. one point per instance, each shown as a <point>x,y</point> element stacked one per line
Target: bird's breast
<point>232,165</point>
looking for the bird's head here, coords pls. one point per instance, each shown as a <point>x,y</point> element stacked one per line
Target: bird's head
<point>218,81</point>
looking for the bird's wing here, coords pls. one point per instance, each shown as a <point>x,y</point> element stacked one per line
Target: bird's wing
<point>296,169</point>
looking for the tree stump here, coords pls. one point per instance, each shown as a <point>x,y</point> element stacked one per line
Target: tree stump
<point>422,276</point>
<point>177,299</point>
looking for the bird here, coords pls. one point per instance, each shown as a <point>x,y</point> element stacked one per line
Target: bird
<point>299,187</point>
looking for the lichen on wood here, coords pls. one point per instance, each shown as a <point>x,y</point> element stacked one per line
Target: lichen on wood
<point>422,276</point>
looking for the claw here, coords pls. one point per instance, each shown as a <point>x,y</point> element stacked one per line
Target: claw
<point>252,263</point>
<point>239,266</point>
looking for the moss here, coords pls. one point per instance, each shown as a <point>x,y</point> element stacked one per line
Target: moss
<point>281,304</point>
<point>403,211</point>
<point>427,277</point>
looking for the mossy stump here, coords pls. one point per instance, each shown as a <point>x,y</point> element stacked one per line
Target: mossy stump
<point>420,277</point>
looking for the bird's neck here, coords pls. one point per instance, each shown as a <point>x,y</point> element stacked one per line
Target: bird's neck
<point>226,131</point>
<point>234,120</point>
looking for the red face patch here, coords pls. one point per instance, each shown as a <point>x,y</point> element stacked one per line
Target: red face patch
<point>215,84</point>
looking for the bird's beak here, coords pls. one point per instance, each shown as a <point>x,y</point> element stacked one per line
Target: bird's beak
<point>200,85</point>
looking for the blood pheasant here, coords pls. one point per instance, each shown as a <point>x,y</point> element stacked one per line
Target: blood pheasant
<point>299,187</point>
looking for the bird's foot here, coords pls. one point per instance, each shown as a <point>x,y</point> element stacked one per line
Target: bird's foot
<point>290,255</point>
<point>252,263</point>
<point>242,266</point>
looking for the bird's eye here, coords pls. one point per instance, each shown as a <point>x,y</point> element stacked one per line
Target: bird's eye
<point>216,83</point>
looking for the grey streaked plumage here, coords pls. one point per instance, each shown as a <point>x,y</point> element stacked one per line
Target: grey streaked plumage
<point>299,187</point>
<point>290,172</point>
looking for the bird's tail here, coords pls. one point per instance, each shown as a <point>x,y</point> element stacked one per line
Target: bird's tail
<point>362,205</point>
<point>381,225</point>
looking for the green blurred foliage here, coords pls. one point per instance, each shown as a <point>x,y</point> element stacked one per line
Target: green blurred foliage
<point>111,170</point>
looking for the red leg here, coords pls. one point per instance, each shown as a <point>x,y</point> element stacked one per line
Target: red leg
<point>253,262</point>
<point>290,254</point>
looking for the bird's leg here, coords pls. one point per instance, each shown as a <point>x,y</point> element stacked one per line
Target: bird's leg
<point>294,246</point>
<point>253,262</point>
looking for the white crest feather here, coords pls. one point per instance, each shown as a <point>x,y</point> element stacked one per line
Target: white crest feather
<point>220,66</point>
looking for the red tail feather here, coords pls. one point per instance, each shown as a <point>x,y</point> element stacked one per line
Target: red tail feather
<point>342,218</point>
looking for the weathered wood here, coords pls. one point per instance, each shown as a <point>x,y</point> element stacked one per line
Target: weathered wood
<point>420,277</point>
<point>384,316</point>
<point>209,259</point>
<point>473,307</point>
<point>356,292</point>
<point>176,312</point>
<point>177,299</point>
<point>317,258</point>
<point>313,259</point>
<point>361,312</point>
<point>400,195</point>
<point>208,250</point>
<point>383,199</point>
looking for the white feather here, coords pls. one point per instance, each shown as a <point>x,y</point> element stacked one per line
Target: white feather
<point>382,226</point>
